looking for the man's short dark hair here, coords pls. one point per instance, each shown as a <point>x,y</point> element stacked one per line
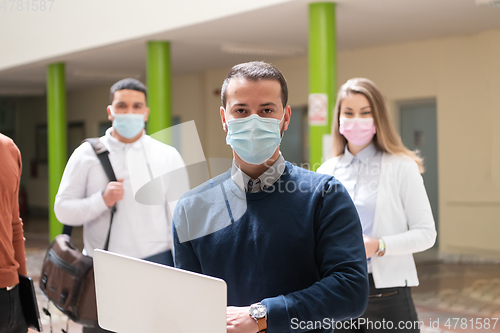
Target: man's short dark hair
<point>255,71</point>
<point>127,83</point>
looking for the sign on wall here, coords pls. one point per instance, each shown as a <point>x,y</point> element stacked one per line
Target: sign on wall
<point>318,109</point>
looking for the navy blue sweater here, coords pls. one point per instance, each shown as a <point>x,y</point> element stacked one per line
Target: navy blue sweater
<point>296,247</point>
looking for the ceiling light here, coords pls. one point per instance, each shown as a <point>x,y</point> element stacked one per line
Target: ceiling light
<point>102,75</point>
<point>488,3</point>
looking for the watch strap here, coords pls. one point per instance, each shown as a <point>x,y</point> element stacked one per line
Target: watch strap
<point>262,322</point>
<point>381,247</point>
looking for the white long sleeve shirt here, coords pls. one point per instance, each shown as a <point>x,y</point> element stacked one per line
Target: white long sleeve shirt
<point>403,219</point>
<point>154,178</point>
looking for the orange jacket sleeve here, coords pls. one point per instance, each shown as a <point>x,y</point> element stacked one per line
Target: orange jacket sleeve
<point>17,226</point>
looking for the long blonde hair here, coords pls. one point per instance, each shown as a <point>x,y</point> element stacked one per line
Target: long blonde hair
<point>386,139</point>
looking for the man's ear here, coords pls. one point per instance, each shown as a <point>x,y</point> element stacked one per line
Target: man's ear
<point>288,116</point>
<point>110,116</point>
<point>146,114</point>
<point>223,119</point>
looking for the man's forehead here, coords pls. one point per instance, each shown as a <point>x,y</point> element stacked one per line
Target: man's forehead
<point>129,96</point>
<point>241,85</point>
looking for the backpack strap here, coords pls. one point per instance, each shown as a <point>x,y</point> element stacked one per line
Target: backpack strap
<point>103,155</point>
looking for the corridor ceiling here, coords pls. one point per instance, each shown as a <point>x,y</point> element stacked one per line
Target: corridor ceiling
<point>269,34</point>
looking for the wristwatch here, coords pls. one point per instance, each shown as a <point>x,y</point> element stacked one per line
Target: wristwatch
<point>258,312</point>
<point>381,247</point>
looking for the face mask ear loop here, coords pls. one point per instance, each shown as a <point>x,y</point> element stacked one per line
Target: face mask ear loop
<point>225,118</point>
<point>282,133</point>
<point>283,115</point>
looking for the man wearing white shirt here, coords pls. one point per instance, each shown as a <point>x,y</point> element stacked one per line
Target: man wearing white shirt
<point>141,226</point>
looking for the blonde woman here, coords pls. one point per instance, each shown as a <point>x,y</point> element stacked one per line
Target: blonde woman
<point>383,179</point>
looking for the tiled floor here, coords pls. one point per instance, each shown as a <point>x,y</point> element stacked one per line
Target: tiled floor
<point>460,297</point>
<point>451,297</point>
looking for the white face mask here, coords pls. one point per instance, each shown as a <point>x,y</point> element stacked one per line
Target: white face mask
<point>254,138</point>
<point>128,125</point>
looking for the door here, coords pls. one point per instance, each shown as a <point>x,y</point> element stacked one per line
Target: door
<point>419,131</point>
<point>295,140</point>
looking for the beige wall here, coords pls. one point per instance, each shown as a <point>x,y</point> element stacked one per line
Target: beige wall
<point>468,143</point>
<point>188,101</point>
<point>215,136</point>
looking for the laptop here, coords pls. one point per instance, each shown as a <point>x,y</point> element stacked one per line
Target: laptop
<point>29,303</point>
<point>134,295</point>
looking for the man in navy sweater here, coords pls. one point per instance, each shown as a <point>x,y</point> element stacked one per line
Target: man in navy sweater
<point>287,241</point>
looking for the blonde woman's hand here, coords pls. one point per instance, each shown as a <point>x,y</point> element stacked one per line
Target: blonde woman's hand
<point>371,245</point>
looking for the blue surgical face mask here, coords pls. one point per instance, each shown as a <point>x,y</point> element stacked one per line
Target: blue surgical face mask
<point>254,138</point>
<point>128,125</point>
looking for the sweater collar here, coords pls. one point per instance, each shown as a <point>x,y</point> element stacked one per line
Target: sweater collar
<point>264,181</point>
<point>242,194</point>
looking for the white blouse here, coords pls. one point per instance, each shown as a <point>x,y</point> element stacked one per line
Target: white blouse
<point>360,175</point>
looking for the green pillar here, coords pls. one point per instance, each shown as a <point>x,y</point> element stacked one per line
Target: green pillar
<point>56,132</point>
<point>158,82</point>
<point>322,76</point>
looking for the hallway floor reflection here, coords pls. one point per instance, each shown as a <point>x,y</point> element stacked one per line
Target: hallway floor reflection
<point>451,297</point>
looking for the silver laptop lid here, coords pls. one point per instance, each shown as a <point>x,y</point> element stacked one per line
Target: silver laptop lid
<point>134,295</point>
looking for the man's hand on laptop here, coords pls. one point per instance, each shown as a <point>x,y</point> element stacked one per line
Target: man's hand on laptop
<point>239,320</point>
<point>113,193</point>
